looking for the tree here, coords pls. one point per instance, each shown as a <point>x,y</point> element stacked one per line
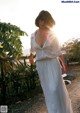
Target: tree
<point>10,47</point>
<point>10,43</point>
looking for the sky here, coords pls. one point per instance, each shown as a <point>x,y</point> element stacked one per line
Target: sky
<point>23,13</point>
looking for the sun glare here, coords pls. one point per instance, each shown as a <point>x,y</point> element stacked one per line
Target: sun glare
<point>60,35</point>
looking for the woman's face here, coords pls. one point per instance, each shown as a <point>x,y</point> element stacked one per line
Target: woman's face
<point>42,25</point>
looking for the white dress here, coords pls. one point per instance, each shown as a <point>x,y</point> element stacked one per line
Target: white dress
<point>49,70</point>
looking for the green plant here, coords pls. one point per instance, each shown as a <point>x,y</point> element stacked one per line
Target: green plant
<point>10,43</point>
<point>72,48</point>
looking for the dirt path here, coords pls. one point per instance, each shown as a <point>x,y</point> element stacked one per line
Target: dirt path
<point>37,104</point>
<point>74,92</point>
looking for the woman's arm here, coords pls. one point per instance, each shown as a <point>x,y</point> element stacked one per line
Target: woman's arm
<point>61,59</point>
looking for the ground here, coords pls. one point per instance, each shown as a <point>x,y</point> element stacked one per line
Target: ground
<point>37,103</point>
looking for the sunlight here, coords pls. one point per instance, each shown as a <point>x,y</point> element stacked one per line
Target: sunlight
<point>60,35</point>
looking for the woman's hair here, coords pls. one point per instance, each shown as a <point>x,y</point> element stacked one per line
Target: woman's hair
<point>46,17</point>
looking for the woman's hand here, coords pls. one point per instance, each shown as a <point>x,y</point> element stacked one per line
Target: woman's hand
<point>31,59</point>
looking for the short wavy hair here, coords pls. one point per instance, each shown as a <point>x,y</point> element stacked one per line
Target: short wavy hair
<point>46,17</point>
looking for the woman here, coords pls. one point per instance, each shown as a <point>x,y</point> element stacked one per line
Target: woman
<point>46,46</point>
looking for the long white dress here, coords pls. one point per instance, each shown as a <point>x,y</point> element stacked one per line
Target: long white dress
<point>49,70</point>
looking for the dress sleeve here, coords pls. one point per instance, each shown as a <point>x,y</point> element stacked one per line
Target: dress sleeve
<point>56,47</point>
<point>32,49</point>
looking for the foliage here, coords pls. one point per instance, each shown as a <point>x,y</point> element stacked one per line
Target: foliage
<point>19,78</point>
<point>72,48</point>
<point>10,43</point>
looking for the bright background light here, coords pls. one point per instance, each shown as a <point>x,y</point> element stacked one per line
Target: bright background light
<point>23,13</point>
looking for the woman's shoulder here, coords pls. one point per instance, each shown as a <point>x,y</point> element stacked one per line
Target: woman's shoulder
<point>52,36</point>
<point>33,34</point>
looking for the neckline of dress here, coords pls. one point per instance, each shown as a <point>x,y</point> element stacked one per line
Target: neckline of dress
<point>37,43</point>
